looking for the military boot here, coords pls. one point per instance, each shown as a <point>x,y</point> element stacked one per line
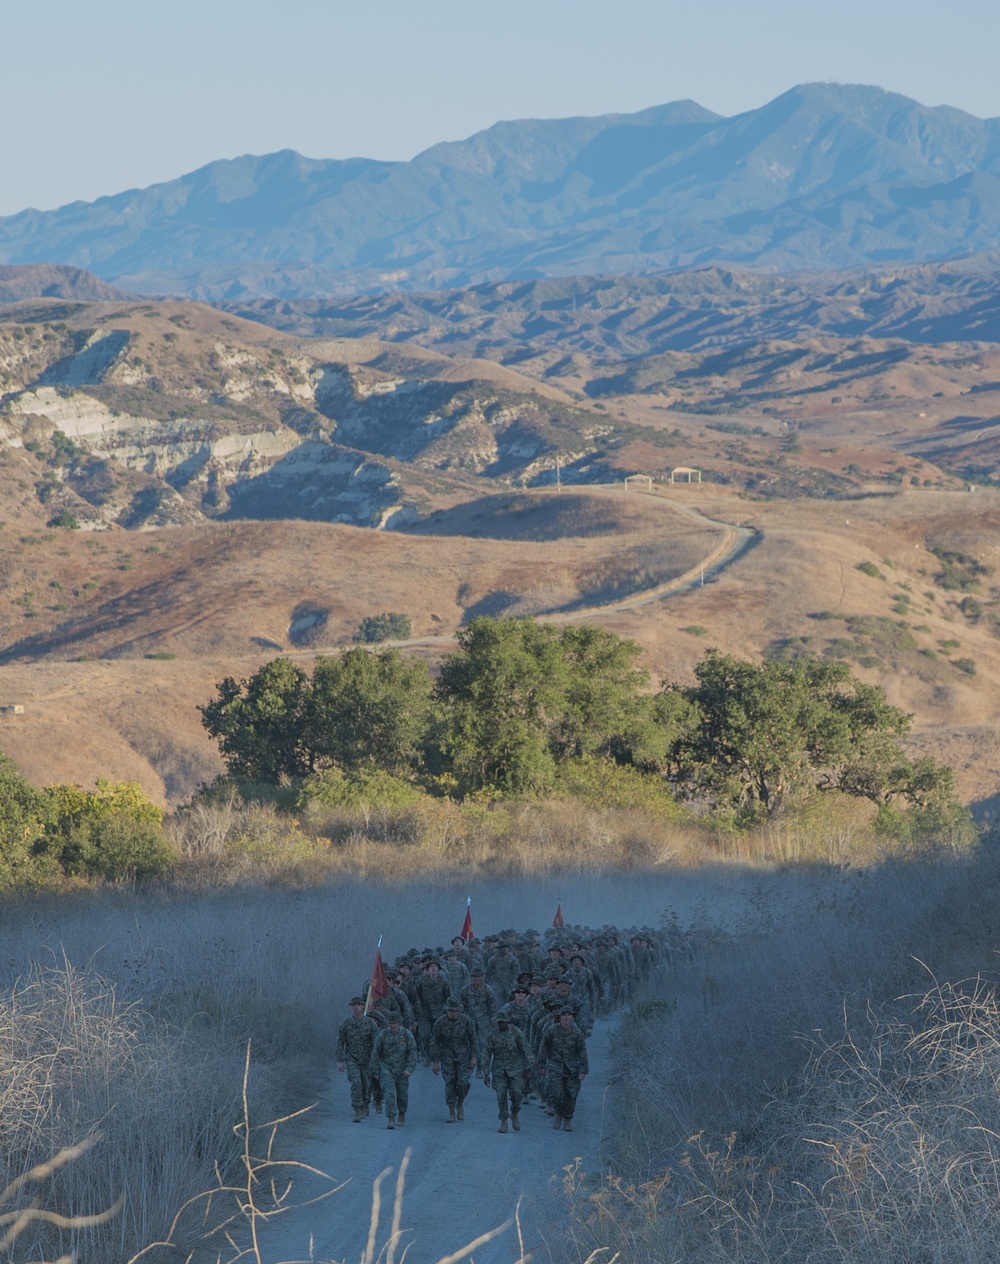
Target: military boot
<point>460,1108</point>
<point>451,1113</point>
<point>557,1122</point>
<point>567,1126</point>
<point>515,1121</point>
<point>402,1118</point>
<point>503,1126</point>
<point>357,1114</point>
<point>390,1122</point>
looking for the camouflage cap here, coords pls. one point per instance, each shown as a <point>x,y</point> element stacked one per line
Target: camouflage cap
<point>452,1003</point>
<point>476,970</point>
<point>356,1000</point>
<point>567,1009</point>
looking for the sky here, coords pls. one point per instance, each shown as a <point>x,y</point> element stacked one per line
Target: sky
<point>115,94</point>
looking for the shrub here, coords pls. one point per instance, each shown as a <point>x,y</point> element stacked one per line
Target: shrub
<point>391,626</point>
<point>66,520</point>
<point>870,569</point>
<point>601,783</point>
<point>376,789</point>
<point>112,833</point>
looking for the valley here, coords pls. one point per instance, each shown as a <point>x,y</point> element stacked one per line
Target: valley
<point>188,492</point>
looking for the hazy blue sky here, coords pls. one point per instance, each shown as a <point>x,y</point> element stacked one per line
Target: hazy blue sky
<point>110,95</point>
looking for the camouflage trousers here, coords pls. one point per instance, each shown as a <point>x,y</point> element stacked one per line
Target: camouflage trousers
<point>457,1077</point>
<point>361,1083</point>
<point>562,1087</point>
<point>395,1091</point>
<point>508,1085</point>
<point>424,1026</point>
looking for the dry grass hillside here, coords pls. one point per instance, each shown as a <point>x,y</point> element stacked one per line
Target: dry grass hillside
<point>849,457</point>
<point>98,700</point>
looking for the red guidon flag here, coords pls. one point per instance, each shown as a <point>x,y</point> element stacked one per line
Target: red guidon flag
<point>467,932</point>
<point>558,919</point>
<point>377,985</point>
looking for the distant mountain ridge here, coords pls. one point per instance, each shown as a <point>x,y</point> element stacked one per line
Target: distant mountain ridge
<point>825,176</point>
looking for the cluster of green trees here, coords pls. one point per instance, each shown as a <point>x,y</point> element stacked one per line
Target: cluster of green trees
<point>520,704</point>
<point>109,833</point>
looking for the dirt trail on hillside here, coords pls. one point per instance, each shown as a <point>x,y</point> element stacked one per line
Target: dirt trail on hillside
<point>735,542</point>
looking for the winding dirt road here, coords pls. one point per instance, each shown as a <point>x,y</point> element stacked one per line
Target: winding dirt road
<point>736,541</point>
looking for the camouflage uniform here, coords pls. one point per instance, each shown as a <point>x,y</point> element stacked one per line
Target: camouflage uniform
<point>431,996</point>
<point>453,1046</point>
<point>393,1061</point>
<point>501,975</point>
<point>607,970</point>
<point>585,991</point>
<point>458,974</point>
<point>481,1006</point>
<point>506,1062</point>
<point>354,1052</point>
<point>564,1052</point>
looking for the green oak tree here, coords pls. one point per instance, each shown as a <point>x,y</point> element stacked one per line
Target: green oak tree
<point>367,710</point>
<point>501,693</point>
<point>260,723</point>
<point>760,732</point>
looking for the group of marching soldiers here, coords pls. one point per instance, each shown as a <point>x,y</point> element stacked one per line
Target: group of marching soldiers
<point>515,1010</point>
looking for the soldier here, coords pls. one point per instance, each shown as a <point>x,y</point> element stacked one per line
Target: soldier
<point>393,1061</point>
<point>453,1049</point>
<point>456,971</point>
<point>480,1004</point>
<point>586,991</point>
<point>540,1027</point>
<point>432,992</point>
<point>502,972</point>
<point>354,1053</point>
<point>564,1052</point>
<point>506,1063</point>
<point>607,970</point>
<point>401,999</point>
<point>517,1010</point>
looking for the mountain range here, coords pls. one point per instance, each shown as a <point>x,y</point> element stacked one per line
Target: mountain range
<point>824,177</point>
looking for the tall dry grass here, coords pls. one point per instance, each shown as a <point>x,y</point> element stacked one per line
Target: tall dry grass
<point>822,1088</point>
<point>127,1012</point>
<point>139,1003</point>
<point>148,1108</point>
<point>625,826</point>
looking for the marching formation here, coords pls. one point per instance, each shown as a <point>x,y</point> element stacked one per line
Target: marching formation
<point>513,1009</point>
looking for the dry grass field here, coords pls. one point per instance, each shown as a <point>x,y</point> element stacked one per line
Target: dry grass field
<point>841,454</point>
<point>224,599</point>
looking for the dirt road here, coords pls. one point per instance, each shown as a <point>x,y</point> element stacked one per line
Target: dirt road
<point>461,1180</point>
<point>465,1179</point>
